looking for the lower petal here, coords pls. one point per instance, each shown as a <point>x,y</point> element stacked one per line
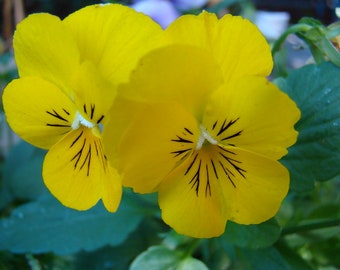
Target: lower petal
<point>190,203</point>
<point>77,173</point>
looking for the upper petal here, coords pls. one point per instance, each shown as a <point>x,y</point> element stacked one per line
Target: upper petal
<point>180,73</point>
<point>38,111</point>
<point>113,37</point>
<point>253,114</point>
<point>235,43</point>
<point>93,94</point>
<point>77,173</point>
<point>44,47</point>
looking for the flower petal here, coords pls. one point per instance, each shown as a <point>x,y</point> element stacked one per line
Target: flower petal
<point>45,48</point>
<point>156,140</point>
<point>93,94</point>
<point>235,43</point>
<point>253,114</point>
<point>38,111</point>
<point>191,203</point>
<point>217,184</point>
<point>260,185</point>
<point>77,173</point>
<point>113,37</point>
<point>179,73</point>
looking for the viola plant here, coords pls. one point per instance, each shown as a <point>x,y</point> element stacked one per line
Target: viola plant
<point>69,70</point>
<point>204,128</point>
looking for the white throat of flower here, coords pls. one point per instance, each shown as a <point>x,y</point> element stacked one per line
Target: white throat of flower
<point>80,120</point>
<point>204,136</point>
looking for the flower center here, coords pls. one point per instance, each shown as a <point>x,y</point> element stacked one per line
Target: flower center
<point>204,136</point>
<point>80,120</point>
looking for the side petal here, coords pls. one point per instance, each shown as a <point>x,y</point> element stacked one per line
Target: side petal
<point>77,173</point>
<point>38,111</point>
<point>113,37</point>
<point>253,186</point>
<point>253,114</point>
<point>152,144</point>
<point>235,43</point>
<point>179,73</point>
<point>45,48</point>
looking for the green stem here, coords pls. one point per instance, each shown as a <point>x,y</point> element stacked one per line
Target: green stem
<point>192,247</point>
<point>311,226</point>
<point>291,30</point>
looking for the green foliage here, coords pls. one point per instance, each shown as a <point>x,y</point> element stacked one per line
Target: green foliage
<point>316,155</point>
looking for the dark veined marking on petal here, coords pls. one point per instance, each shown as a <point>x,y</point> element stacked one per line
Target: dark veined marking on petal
<point>188,130</point>
<point>226,125</point>
<point>191,164</point>
<point>100,119</point>
<point>214,168</point>
<point>66,112</point>
<point>84,107</point>
<point>87,160</point>
<point>233,163</point>
<point>92,110</point>
<point>214,125</point>
<point>181,140</point>
<point>195,180</point>
<point>79,154</point>
<point>181,152</point>
<point>78,137</point>
<point>227,173</point>
<point>57,115</point>
<point>100,154</point>
<point>233,135</point>
<point>207,186</point>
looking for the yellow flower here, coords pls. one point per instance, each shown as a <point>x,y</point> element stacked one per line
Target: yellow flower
<point>200,124</point>
<point>69,71</point>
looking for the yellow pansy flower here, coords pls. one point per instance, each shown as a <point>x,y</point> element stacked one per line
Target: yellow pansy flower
<point>200,124</point>
<point>69,71</point>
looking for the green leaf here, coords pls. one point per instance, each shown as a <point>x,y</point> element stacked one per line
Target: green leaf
<point>316,155</point>
<point>252,236</point>
<point>22,172</point>
<point>47,226</point>
<point>163,258</point>
<point>268,258</point>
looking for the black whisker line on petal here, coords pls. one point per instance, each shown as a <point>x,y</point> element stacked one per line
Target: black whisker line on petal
<point>227,173</point>
<point>181,140</point>
<point>57,125</point>
<point>81,133</point>
<point>66,111</point>
<point>92,110</point>
<point>180,152</point>
<point>87,160</point>
<point>214,168</point>
<point>100,119</point>
<point>79,154</point>
<point>233,135</point>
<point>214,125</point>
<point>56,115</point>
<point>191,164</point>
<point>226,150</point>
<point>236,167</point>
<point>188,130</point>
<point>226,125</point>
<point>195,180</point>
<point>207,186</point>
<point>84,107</point>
